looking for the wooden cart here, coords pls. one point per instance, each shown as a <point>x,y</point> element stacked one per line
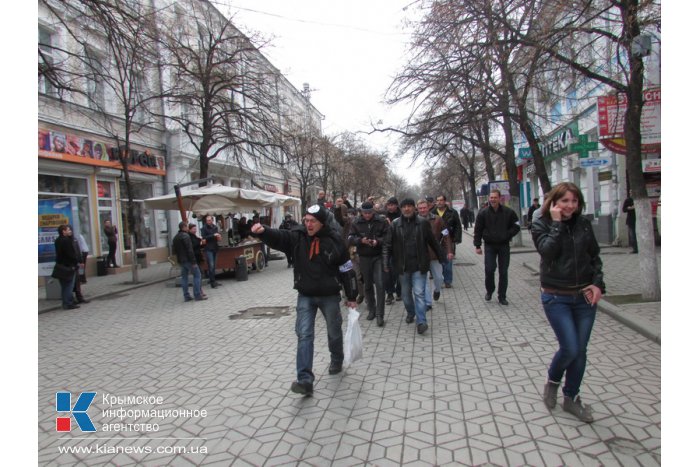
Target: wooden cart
<point>226,257</point>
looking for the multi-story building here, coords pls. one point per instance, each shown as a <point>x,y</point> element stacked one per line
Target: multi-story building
<point>575,147</point>
<point>82,129</point>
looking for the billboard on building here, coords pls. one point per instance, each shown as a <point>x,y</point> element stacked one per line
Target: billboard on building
<point>611,121</point>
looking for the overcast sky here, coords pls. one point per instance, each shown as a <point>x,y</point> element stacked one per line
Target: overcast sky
<point>348,52</point>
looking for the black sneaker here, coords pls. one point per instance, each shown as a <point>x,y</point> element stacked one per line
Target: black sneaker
<point>429,307</point>
<point>436,296</point>
<point>398,297</point>
<point>503,301</point>
<point>203,297</point>
<point>188,299</point>
<point>305,389</point>
<point>335,368</point>
<point>71,307</point>
<point>380,321</point>
<point>389,299</point>
<point>488,296</point>
<point>410,319</point>
<point>422,327</point>
<point>371,315</point>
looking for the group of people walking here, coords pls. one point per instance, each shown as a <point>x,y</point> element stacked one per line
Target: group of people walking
<point>421,239</point>
<point>407,250</point>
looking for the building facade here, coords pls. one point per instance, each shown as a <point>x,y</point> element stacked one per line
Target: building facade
<point>82,132</point>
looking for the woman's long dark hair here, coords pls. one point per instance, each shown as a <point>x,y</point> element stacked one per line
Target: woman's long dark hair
<point>558,192</point>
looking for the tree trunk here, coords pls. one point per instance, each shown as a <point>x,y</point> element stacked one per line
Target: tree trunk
<point>537,158</point>
<point>651,283</point>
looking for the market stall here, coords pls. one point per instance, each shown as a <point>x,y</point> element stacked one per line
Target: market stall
<point>222,200</point>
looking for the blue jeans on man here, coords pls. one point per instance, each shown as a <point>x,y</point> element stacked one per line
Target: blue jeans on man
<point>185,269</point>
<point>436,269</point>
<point>413,294</point>
<point>571,318</point>
<point>211,266</point>
<point>495,253</point>
<point>67,291</point>
<point>307,307</point>
<point>447,272</point>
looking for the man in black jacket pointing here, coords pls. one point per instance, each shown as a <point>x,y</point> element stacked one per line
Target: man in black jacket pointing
<point>321,265</point>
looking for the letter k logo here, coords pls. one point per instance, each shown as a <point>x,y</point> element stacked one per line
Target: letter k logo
<point>79,411</point>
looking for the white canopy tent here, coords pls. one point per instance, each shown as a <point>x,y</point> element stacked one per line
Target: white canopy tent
<point>219,199</point>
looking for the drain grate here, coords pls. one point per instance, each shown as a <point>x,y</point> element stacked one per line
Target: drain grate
<point>262,312</point>
<point>625,446</point>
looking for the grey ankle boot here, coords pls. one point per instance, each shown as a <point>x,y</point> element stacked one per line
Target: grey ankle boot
<point>550,394</point>
<point>576,407</point>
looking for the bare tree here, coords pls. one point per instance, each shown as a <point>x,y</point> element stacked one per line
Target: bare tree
<point>110,69</point>
<point>220,91</point>
<point>584,36</point>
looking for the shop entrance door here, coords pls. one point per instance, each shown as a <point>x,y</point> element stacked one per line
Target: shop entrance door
<point>106,207</point>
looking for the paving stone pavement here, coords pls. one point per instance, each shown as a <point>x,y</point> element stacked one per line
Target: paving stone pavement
<point>467,392</point>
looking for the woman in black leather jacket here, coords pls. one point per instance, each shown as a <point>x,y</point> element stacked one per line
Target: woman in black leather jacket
<point>571,276</point>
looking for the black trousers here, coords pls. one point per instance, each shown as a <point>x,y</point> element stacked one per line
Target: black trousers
<point>372,274</point>
<point>111,259</point>
<point>497,254</point>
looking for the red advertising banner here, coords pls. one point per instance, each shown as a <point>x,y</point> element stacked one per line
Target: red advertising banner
<point>611,121</point>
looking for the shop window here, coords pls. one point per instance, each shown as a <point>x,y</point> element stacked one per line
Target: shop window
<point>67,197</point>
<point>144,218</point>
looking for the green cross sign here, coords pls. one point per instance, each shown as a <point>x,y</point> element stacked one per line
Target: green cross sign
<point>583,147</point>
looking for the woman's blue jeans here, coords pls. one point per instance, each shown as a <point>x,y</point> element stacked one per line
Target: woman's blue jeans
<point>305,326</point>
<point>572,320</point>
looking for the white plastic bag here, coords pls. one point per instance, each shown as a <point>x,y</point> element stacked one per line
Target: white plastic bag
<point>352,344</point>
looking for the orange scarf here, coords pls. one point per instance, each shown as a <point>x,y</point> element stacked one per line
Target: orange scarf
<point>315,248</point>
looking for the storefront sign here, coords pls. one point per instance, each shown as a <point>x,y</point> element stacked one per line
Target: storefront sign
<point>611,121</point>
<point>271,188</point>
<point>557,145</point>
<point>651,165</point>
<point>525,153</point>
<point>71,148</point>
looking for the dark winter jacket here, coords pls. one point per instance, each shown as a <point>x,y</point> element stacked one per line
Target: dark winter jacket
<point>395,244</point>
<point>111,233</point>
<point>208,232</point>
<point>441,234</point>
<point>321,262</point>
<point>66,253</point>
<point>196,247</point>
<point>569,253</point>
<point>451,219</point>
<point>374,229</point>
<point>495,226</point>
<point>182,247</point>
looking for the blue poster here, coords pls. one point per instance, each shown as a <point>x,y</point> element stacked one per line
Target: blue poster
<point>52,213</point>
